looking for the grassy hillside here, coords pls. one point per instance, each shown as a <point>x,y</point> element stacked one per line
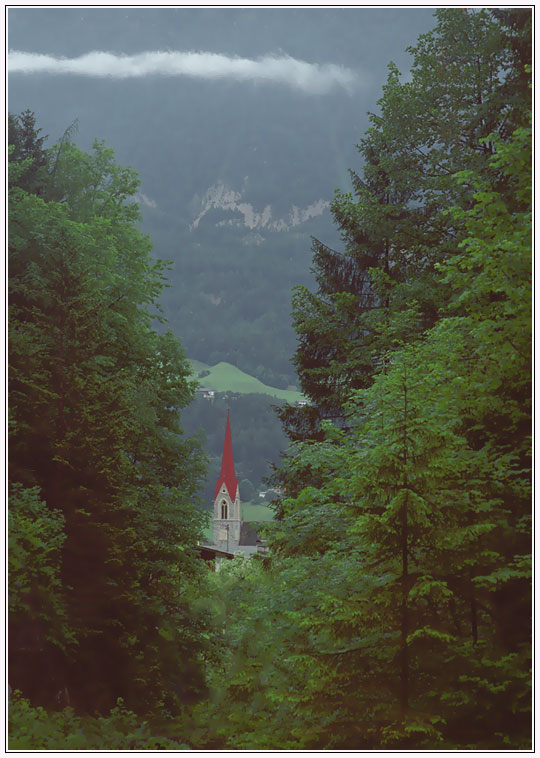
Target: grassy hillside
<point>224,377</point>
<point>257,512</point>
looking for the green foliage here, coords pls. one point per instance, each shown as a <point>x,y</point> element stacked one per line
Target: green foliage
<point>96,395</point>
<point>383,289</point>
<point>36,598</point>
<point>27,157</point>
<point>397,598</point>
<point>37,729</point>
<point>427,492</point>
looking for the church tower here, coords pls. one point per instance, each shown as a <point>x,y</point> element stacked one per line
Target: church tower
<point>227,509</point>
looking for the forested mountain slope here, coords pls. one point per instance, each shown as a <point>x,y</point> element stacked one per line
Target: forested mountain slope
<point>277,150</point>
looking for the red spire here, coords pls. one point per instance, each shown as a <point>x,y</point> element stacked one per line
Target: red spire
<point>227,476</point>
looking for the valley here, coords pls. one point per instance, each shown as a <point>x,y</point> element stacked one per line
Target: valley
<point>329,210</point>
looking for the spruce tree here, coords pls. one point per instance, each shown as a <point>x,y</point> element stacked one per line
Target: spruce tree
<point>382,289</point>
<point>96,394</point>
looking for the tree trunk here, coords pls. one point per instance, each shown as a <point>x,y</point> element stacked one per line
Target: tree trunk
<point>404,651</point>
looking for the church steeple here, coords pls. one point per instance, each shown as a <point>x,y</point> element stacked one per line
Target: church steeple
<point>227,509</point>
<point>227,476</point>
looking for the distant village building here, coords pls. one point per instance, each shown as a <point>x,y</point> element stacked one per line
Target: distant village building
<point>205,392</point>
<point>213,556</point>
<point>271,493</point>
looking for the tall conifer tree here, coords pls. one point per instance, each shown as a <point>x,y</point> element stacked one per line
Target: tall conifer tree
<point>96,394</point>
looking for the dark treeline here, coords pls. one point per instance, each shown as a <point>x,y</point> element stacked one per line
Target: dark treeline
<point>102,517</point>
<point>393,610</point>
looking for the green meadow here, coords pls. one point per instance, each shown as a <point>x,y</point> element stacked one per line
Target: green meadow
<point>224,377</point>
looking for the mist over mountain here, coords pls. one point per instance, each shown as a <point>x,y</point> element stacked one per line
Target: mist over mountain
<point>241,123</point>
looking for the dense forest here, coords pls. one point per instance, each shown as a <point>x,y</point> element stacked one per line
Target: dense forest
<point>393,609</point>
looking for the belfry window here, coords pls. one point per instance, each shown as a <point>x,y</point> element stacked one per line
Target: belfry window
<point>224,509</point>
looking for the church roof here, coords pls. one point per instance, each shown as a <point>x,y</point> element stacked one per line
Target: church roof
<point>227,475</point>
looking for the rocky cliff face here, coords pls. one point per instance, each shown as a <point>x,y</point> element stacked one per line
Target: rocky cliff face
<point>222,197</point>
